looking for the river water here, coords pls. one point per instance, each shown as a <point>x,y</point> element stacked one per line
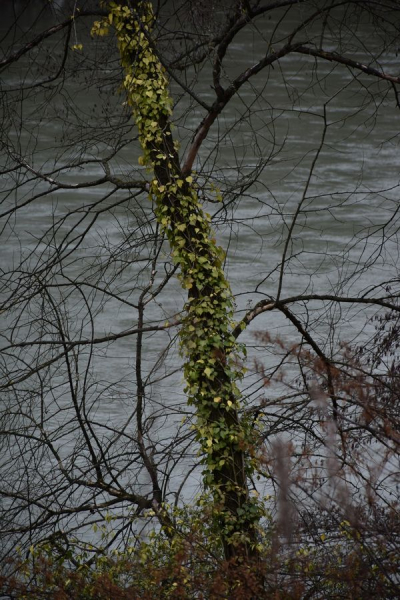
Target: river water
<point>344,240</point>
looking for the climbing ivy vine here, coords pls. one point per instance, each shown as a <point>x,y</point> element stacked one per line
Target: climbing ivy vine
<point>209,348</point>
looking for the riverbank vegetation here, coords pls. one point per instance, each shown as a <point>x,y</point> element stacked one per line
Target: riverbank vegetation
<point>200,293</point>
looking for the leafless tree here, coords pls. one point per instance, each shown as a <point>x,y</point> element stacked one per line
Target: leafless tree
<point>287,117</point>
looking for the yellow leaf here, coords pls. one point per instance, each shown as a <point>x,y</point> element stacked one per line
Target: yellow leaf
<point>217,399</point>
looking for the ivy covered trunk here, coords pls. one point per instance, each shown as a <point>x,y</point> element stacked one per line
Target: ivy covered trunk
<point>207,344</point>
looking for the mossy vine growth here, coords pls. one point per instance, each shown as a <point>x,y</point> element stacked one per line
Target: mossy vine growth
<point>207,344</point>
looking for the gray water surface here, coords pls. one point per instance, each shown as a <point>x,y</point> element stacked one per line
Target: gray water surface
<point>344,241</point>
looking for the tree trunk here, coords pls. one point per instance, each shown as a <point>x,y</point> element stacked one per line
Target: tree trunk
<point>207,343</point>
